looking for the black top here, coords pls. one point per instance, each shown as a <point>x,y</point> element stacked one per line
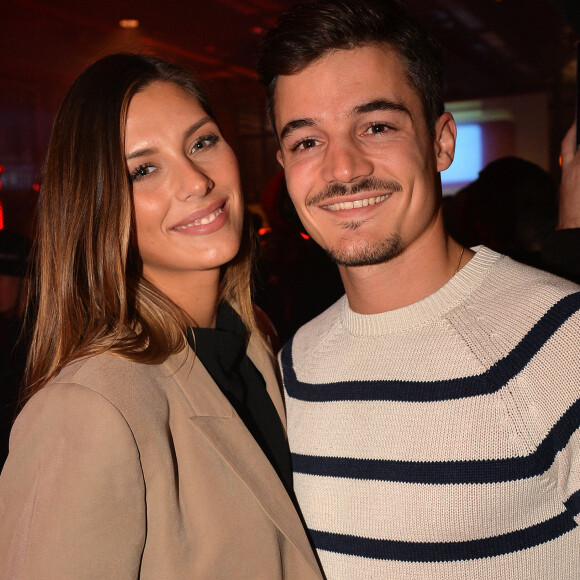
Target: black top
<point>223,353</point>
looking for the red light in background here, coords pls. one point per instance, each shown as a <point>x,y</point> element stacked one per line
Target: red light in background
<point>305,236</point>
<point>264,231</point>
<point>36,187</point>
<point>1,215</point>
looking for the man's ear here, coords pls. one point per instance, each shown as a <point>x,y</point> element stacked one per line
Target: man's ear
<point>445,138</point>
<point>279,157</point>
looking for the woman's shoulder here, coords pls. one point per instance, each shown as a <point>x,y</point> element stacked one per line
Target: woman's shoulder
<point>122,382</point>
<point>99,367</point>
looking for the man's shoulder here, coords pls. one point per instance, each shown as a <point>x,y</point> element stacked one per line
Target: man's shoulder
<point>521,285</point>
<point>516,304</point>
<point>314,332</point>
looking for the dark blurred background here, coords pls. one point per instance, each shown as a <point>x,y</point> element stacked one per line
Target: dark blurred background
<point>510,65</point>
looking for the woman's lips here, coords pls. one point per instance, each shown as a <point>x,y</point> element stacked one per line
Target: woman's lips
<point>201,221</point>
<point>201,217</point>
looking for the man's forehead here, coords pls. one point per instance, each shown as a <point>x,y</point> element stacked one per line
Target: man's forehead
<point>372,106</point>
<point>343,84</point>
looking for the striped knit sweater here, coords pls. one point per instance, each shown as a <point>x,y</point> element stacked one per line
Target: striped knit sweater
<point>442,440</point>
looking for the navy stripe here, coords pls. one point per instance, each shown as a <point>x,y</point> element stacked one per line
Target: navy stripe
<point>485,383</point>
<point>448,472</point>
<point>573,504</point>
<point>445,551</point>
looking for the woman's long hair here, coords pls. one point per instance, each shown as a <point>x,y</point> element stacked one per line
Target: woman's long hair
<point>86,292</point>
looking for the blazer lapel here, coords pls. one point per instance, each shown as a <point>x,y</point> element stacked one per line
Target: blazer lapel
<point>268,367</point>
<point>218,422</point>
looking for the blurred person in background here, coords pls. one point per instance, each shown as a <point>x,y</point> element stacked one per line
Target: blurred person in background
<point>561,248</point>
<point>511,208</point>
<point>515,207</point>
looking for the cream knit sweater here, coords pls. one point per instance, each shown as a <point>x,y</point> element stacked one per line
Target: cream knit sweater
<point>442,440</point>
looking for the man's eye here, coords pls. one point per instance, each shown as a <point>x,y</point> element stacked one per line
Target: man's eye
<point>306,144</point>
<point>142,171</point>
<point>378,128</point>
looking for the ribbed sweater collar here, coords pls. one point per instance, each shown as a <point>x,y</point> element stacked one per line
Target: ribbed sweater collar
<point>425,311</point>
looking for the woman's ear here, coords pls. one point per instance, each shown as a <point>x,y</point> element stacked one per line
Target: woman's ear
<point>279,157</point>
<point>445,137</point>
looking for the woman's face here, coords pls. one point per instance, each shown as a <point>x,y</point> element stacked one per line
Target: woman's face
<point>186,186</point>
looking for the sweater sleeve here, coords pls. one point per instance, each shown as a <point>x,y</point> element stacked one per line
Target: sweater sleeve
<point>72,497</point>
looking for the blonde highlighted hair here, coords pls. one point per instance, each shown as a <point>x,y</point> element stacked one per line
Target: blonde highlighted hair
<point>86,292</point>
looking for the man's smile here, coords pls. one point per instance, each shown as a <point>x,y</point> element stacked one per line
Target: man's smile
<point>357,203</point>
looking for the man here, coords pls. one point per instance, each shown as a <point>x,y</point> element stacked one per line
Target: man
<point>434,411</point>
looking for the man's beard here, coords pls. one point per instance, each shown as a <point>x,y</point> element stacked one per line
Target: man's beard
<point>362,253</point>
<point>367,254</point>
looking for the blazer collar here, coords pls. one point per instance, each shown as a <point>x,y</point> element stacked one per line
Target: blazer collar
<point>216,420</point>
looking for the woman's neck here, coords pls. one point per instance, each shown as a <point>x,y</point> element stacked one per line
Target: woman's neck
<point>195,292</point>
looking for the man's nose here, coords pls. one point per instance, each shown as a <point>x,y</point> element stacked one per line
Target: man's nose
<point>345,161</point>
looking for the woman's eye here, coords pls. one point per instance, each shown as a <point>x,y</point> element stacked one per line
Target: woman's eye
<point>203,142</point>
<point>142,171</point>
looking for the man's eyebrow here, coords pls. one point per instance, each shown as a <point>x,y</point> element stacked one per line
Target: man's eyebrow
<point>292,126</point>
<point>376,105</point>
<point>380,105</point>
<point>188,133</point>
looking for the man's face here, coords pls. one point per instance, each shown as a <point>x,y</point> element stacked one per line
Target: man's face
<point>360,164</point>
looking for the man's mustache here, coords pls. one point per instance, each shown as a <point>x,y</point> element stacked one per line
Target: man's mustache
<point>373,184</point>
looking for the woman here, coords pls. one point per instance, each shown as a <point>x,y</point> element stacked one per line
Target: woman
<point>149,447</point>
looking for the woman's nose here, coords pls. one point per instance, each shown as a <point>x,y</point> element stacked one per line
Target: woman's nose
<point>192,181</point>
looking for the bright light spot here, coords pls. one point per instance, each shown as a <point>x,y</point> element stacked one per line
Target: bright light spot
<point>129,23</point>
<point>468,159</point>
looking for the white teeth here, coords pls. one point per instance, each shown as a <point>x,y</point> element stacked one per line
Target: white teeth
<point>357,203</point>
<point>202,221</point>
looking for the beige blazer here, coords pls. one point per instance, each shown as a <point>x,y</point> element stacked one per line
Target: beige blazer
<point>119,470</point>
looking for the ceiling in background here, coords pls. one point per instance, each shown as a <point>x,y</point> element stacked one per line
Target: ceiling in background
<point>492,48</point>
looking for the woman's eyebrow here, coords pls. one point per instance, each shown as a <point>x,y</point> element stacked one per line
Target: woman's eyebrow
<point>140,153</point>
<point>197,125</point>
<point>189,131</point>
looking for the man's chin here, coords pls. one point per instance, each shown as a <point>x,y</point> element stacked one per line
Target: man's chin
<point>367,254</point>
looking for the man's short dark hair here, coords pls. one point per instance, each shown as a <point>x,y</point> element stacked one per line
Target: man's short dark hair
<point>308,31</point>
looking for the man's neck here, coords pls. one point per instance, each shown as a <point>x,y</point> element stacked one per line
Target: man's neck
<point>421,269</point>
